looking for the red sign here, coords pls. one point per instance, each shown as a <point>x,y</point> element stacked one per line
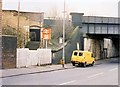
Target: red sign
<point>46,34</point>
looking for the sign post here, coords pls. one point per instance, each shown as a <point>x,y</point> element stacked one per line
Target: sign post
<point>46,34</point>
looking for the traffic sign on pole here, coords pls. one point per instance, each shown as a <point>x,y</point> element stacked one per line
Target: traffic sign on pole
<point>46,34</point>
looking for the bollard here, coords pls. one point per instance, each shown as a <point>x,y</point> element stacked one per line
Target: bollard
<point>62,62</point>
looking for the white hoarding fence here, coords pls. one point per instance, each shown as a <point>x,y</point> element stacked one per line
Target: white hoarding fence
<point>26,57</point>
<point>46,56</point>
<point>22,57</point>
<point>33,58</point>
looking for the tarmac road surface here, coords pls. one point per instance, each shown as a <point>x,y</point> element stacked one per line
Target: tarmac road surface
<point>101,74</point>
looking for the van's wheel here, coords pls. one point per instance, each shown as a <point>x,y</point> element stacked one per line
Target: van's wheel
<point>84,64</point>
<point>79,64</point>
<point>92,63</point>
<point>73,63</point>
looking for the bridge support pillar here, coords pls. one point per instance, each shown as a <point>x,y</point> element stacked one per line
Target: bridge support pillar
<point>113,49</point>
<point>95,45</point>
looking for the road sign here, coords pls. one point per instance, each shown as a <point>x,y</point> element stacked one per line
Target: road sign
<point>46,34</point>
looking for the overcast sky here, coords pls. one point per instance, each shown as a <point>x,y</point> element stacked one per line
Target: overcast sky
<point>107,8</point>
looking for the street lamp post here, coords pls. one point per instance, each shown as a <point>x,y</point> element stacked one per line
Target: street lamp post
<point>63,58</point>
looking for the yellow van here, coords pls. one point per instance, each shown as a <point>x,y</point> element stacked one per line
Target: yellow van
<point>82,58</point>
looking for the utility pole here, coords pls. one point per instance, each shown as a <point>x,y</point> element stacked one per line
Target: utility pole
<point>63,58</point>
<point>18,15</point>
<point>18,20</point>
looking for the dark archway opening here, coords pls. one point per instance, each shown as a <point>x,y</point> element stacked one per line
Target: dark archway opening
<point>34,34</point>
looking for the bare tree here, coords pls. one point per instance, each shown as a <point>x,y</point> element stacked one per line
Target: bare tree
<point>57,26</point>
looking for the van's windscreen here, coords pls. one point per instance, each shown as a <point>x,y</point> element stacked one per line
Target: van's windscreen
<point>75,53</point>
<point>80,54</point>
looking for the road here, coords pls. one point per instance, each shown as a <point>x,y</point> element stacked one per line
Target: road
<point>102,74</point>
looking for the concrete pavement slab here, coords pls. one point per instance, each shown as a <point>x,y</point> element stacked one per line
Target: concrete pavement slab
<point>33,69</point>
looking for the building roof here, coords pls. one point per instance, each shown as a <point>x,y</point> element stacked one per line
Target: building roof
<point>23,11</point>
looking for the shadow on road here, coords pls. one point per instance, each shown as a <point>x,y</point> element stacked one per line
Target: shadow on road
<point>113,60</point>
<point>102,61</point>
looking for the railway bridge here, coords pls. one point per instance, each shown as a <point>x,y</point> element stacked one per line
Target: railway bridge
<point>101,34</point>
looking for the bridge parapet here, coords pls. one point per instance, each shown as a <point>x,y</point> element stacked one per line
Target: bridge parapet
<point>96,24</point>
<point>104,20</point>
<point>100,25</point>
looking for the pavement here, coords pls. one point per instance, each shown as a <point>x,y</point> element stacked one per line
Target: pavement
<point>40,69</point>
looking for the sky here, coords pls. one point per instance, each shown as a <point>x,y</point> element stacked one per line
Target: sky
<point>106,8</point>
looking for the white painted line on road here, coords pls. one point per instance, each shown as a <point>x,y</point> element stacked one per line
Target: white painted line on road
<point>113,69</point>
<point>95,75</point>
<point>67,82</point>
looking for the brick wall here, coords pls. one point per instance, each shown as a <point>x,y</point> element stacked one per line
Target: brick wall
<point>10,18</point>
<point>0,17</point>
<point>38,17</point>
<point>0,34</point>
